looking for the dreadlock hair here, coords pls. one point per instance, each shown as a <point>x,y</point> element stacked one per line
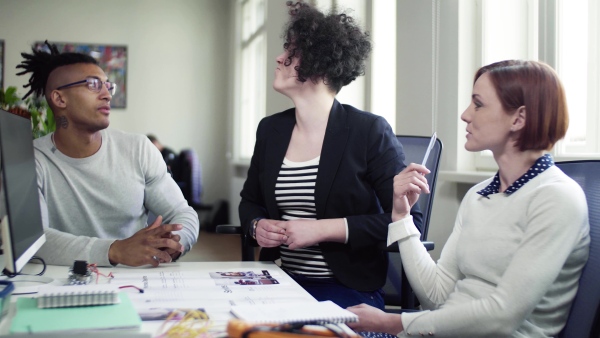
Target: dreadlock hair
<point>40,63</point>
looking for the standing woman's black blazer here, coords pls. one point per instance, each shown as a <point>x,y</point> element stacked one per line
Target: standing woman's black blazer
<point>359,159</point>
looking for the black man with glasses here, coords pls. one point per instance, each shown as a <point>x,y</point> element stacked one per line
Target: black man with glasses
<point>98,184</point>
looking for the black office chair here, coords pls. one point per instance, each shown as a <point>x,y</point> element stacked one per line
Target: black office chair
<point>188,175</point>
<point>398,292</point>
<point>584,317</point>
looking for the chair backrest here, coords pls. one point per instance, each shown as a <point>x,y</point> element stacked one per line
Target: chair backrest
<point>414,149</point>
<point>397,290</point>
<point>584,317</point>
<point>190,176</point>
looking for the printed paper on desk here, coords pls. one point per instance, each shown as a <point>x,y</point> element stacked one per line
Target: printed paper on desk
<point>248,281</point>
<point>242,274</point>
<point>184,280</point>
<point>224,292</point>
<point>196,274</point>
<point>217,304</point>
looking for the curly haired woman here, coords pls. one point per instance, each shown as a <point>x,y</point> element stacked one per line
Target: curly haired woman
<point>319,187</point>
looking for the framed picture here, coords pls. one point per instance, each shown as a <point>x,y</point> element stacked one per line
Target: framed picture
<point>112,59</point>
<point>1,64</point>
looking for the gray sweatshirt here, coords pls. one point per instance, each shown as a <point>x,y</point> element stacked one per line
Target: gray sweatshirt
<point>88,203</point>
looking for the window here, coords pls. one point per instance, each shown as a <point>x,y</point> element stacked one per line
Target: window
<point>577,64</point>
<point>250,108</point>
<point>380,98</point>
<point>508,30</point>
<point>354,93</point>
<point>383,60</point>
<point>563,33</point>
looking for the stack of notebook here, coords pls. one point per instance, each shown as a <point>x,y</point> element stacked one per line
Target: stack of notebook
<point>69,315</point>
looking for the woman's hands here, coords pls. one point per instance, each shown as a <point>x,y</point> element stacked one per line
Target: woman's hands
<point>299,233</point>
<point>408,185</point>
<point>374,320</point>
<point>270,233</point>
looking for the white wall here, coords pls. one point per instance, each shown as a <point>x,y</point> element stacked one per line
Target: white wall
<point>178,71</point>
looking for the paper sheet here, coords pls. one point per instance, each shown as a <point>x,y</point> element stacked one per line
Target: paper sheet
<point>213,291</point>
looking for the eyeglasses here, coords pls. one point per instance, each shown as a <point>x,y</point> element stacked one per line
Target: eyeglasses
<point>94,84</point>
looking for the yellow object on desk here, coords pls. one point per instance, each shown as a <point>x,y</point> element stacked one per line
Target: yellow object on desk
<point>194,323</point>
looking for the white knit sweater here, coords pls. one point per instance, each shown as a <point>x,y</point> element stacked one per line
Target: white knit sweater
<point>510,268</point>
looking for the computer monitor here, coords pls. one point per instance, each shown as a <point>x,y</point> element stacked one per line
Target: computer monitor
<point>21,224</point>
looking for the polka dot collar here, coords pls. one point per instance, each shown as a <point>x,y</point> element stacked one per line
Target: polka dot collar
<point>537,168</point>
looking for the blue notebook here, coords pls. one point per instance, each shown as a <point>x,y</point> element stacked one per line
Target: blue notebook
<point>31,319</point>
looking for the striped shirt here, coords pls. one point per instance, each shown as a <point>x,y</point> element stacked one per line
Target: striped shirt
<point>295,196</point>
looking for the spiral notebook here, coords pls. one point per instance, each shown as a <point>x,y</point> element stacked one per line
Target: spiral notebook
<point>52,296</point>
<point>299,312</point>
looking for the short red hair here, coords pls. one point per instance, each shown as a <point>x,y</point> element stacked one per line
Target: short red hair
<point>536,86</point>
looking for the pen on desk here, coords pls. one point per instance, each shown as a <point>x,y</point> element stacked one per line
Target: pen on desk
<point>429,147</point>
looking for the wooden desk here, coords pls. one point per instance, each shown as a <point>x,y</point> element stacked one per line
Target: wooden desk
<point>288,289</point>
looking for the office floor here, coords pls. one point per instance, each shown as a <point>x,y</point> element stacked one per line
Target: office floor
<point>213,247</point>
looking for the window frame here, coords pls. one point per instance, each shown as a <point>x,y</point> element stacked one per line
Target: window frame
<point>244,126</point>
<point>544,19</point>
